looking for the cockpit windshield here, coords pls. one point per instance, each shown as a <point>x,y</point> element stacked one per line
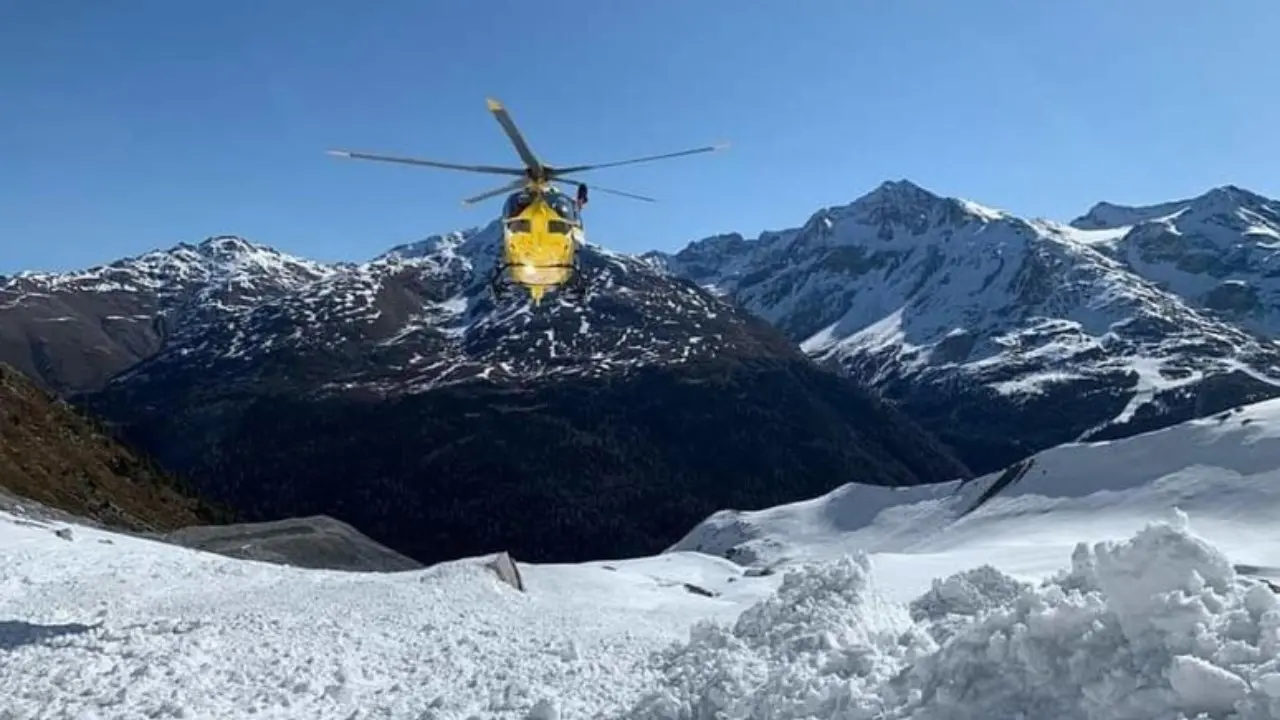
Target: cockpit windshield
<point>562,204</point>
<point>516,203</point>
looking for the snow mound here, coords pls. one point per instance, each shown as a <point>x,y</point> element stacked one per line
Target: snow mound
<point>1224,470</point>
<point>1158,626</point>
<point>824,644</point>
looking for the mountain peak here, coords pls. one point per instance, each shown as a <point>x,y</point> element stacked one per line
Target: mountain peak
<point>1228,199</point>
<point>228,244</point>
<point>228,249</point>
<point>1234,192</point>
<point>1110,216</point>
<point>904,202</point>
<point>458,242</point>
<point>899,193</point>
<point>1224,199</point>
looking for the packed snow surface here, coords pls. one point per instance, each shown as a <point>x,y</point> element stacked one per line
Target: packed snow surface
<point>1078,591</point>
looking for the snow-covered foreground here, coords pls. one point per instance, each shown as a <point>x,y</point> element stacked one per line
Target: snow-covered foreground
<point>1224,471</point>
<point>105,626</point>
<point>1151,622</point>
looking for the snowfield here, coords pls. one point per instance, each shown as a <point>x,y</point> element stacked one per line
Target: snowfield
<point>1081,590</point>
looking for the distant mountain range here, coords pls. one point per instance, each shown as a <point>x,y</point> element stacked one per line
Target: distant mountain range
<point>1005,336</point>
<point>397,396</point>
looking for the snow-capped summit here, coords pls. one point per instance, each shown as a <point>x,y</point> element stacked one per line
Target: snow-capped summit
<point>1219,252</point>
<point>223,259</point>
<point>901,195</point>
<point>74,330</point>
<point>967,315</point>
<point>468,242</point>
<point>1109,216</point>
<point>1223,200</point>
<point>903,203</point>
<point>426,305</point>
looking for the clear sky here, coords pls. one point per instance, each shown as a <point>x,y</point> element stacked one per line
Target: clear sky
<point>127,126</point>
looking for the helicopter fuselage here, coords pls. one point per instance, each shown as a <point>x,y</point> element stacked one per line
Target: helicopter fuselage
<point>541,232</point>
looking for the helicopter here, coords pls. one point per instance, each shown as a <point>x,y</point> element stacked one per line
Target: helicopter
<point>541,226</point>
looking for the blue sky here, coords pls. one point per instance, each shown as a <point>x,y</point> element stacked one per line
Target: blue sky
<point>134,125</point>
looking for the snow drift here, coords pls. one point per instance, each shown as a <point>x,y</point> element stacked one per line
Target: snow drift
<point>1159,626</point>
<point>1223,470</point>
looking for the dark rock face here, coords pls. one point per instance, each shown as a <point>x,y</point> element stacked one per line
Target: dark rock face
<point>400,397</point>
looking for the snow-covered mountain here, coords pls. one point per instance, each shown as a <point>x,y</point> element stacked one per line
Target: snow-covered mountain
<point>1005,335</point>
<point>1079,592</point>
<point>415,317</point>
<point>398,396</point>
<point>1001,335</point>
<point>421,315</point>
<point>73,331</point>
<point>1219,251</point>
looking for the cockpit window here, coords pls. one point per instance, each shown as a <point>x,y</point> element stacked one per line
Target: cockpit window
<point>516,203</point>
<point>563,206</point>
<point>560,203</point>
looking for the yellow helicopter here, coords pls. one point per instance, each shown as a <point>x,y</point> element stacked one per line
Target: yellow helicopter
<point>541,227</point>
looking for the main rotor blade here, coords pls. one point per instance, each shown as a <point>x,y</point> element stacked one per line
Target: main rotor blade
<point>611,191</point>
<point>496,191</point>
<point>489,169</point>
<point>694,151</point>
<point>509,126</point>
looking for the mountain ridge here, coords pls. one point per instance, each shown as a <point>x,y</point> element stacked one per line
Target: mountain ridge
<point>967,316</point>
<point>400,396</point>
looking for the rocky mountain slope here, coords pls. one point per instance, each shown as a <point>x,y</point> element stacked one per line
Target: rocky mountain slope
<point>54,455</point>
<point>396,395</point>
<point>1005,336</point>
